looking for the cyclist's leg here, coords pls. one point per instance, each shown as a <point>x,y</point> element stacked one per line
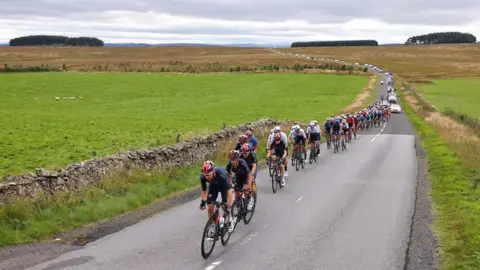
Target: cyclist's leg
<point>211,198</point>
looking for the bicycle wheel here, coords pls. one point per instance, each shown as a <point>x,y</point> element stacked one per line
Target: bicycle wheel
<point>225,233</point>
<point>270,169</point>
<point>303,163</point>
<point>274,180</point>
<point>310,157</point>
<point>297,164</point>
<point>205,251</point>
<point>249,213</point>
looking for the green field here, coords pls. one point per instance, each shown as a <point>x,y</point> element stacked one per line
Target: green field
<point>134,111</point>
<point>460,95</point>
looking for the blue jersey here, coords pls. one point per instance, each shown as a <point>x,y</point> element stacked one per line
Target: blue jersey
<point>336,125</point>
<point>253,142</point>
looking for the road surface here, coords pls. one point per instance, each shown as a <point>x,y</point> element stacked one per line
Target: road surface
<point>350,210</point>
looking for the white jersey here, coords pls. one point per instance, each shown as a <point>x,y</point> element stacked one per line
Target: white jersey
<point>314,130</point>
<point>301,134</point>
<point>283,138</point>
<point>344,125</point>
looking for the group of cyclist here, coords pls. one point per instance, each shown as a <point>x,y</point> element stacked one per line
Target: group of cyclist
<point>241,170</point>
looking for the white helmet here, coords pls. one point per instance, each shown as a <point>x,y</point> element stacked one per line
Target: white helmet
<point>277,128</point>
<point>315,122</point>
<point>272,130</point>
<point>344,120</point>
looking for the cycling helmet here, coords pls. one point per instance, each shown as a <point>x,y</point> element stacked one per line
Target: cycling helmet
<point>246,148</point>
<point>329,118</point>
<point>348,115</point>
<point>208,167</point>
<point>344,121</point>
<point>315,122</point>
<point>242,138</point>
<point>277,129</point>
<point>297,128</point>
<point>234,154</point>
<point>248,133</point>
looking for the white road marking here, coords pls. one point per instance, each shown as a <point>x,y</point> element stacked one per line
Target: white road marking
<point>384,125</point>
<point>266,226</point>
<point>299,199</point>
<point>213,265</point>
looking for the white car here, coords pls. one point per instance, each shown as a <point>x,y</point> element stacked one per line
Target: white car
<point>395,108</point>
<point>392,99</point>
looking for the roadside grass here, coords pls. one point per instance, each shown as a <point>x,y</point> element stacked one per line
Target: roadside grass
<point>136,111</point>
<point>455,176</point>
<point>35,219</point>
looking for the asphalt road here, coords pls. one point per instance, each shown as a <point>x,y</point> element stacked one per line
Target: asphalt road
<point>350,210</point>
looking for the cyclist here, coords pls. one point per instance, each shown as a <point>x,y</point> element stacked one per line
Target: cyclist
<point>344,130</point>
<point>327,129</point>
<point>241,140</point>
<point>218,183</point>
<point>251,140</point>
<point>283,137</point>
<point>335,127</point>
<point>313,134</point>
<point>300,136</point>
<point>351,124</point>
<point>251,158</point>
<point>243,176</point>
<point>279,149</point>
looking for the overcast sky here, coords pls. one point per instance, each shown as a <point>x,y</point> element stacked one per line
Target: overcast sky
<point>237,21</point>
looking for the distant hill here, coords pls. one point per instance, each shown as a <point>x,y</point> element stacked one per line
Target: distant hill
<point>253,45</point>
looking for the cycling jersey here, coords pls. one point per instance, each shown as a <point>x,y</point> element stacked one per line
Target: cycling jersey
<point>253,143</point>
<point>300,137</point>
<point>314,133</point>
<point>283,138</point>
<point>241,173</point>
<point>251,159</point>
<point>278,148</point>
<point>219,183</point>
<point>238,146</point>
<point>336,127</point>
<point>344,126</point>
<point>327,126</point>
<point>350,121</point>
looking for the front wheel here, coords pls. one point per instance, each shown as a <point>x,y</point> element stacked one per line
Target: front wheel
<point>225,233</point>
<point>206,252</point>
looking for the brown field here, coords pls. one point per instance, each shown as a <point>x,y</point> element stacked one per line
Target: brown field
<point>416,64</point>
<point>143,58</point>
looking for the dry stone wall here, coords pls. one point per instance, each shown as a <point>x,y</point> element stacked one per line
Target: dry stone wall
<point>82,174</point>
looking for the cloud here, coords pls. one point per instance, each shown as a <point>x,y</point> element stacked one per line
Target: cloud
<point>234,21</point>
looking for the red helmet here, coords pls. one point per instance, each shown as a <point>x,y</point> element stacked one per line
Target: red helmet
<point>234,154</point>
<point>208,167</point>
<point>246,148</point>
<point>248,133</point>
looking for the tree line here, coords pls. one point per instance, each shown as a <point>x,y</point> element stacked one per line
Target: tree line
<point>442,38</point>
<point>48,40</point>
<point>334,43</point>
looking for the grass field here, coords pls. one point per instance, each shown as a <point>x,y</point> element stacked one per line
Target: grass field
<point>461,95</point>
<point>416,64</point>
<point>134,111</point>
<point>116,59</point>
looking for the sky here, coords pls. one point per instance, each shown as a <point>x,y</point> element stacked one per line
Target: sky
<point>237,21</point>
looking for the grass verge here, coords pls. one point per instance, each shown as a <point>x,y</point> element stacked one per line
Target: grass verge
<point>455,196</point>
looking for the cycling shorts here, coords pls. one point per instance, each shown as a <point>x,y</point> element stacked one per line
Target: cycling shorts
<point>314,137</point>
<point>345,130</point>
<point>240,181</point>
<point>278,153</point>
<point>336,132</point>
<point>299,139</point>
<point>213,191</point>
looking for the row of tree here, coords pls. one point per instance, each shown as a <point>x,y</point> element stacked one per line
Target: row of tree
<point>48,40</point>
<point>442,38</point>
<point>335,43</point>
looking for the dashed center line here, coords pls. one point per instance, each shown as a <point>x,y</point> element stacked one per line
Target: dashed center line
<point>299,199</point>
<point>384,125</point>
<point>213,265</point>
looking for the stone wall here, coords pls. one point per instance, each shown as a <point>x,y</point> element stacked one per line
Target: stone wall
<point>82,174</point>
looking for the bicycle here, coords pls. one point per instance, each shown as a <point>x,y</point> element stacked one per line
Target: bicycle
<point>221,229</point>
<point>270,172</point>
<point>242,204</point>
<point>328,139</point>
<point>314,150</point>
<point>299,154</point>
<point>277,175</point>
<point>336,143</point>
<point>344,145</point>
